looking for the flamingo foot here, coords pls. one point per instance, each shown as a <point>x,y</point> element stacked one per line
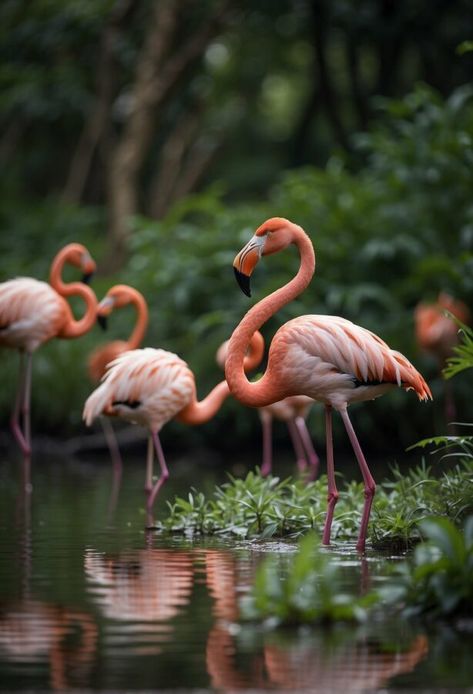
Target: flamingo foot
<point>265,469</point>
<point>332,502</point>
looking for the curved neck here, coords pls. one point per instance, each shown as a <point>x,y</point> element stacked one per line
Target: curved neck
<point>269,388</point>
<point>72,327</point>
<point>198,412</point>
<point>138,332</point>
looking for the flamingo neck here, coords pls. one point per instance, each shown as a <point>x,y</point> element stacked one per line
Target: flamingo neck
<point>198,412</point>
<point>138,332</point>
<point>269,388</point>
<point>72,327</point>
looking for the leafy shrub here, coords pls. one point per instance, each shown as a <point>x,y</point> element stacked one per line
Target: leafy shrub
<point>439,578</point>
<point>311,590</point>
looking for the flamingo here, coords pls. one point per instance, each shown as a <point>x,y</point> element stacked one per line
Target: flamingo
<point>118,296</point>
<point>32,312</point>
<point>327,358</point>
<point>149,387</point>
<point>293,411</point>
<point>437,334</point>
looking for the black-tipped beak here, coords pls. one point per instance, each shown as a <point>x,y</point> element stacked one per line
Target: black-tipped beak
<point>102,321</point>
<point>87,277</point>
<point>243,282</point>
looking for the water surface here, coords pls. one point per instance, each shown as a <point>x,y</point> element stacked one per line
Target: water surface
<point>90,599</point>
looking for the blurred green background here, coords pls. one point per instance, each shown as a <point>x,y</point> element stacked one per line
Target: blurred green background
<point>161,133</point>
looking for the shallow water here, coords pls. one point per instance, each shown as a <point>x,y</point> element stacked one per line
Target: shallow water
<point>89,599</point>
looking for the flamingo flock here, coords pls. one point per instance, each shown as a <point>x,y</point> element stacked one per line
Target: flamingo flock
<point>312,359</point>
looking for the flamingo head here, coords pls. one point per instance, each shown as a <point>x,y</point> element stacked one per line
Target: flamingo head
<point>271,237</point>
<point>117,296</point>
<point>77,255</point>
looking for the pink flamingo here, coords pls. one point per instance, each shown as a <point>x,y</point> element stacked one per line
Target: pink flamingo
<point>327,358</point>
<point>437,335</point>
<point>118,296</point>
<point>150,387</point>
<point>293,411</point>
<point>32,312</point>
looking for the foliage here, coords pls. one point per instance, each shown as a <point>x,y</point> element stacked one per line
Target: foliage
<point>311,591</point>
<point>267,507</point>
<point>463,353</point>
<point>395,232</point>
<point>438,580</point>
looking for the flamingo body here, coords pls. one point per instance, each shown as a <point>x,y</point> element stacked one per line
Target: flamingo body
<point>436,332</point>
<point>143,386</point>
<point>31,313</point>
<point>334,361</point>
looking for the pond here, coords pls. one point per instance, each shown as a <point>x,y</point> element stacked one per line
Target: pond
<point>90,599</point>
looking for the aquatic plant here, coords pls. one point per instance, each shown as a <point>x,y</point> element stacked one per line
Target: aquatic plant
<point>269,507</point>
<point>310,592</point>
<point>438,580</point>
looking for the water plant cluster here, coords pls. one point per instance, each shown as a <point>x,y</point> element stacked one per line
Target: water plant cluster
<point>270,507</point>
<point>437,580</point>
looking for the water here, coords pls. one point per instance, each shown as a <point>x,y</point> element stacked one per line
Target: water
<point>91,600</point>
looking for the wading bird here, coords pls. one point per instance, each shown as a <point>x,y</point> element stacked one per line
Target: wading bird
<point>32,312</point>
<point>327,358</point>
<point>149,387</point>
<point>118,296</point>
<point>293,411</point>
<point>437,334</point>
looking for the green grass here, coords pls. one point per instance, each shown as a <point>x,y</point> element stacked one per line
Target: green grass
<point>270,507</point>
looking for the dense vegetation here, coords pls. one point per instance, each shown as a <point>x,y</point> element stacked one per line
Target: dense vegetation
<point>335,115</point>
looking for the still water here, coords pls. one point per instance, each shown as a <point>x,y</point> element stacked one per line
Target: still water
<point>91,600</point>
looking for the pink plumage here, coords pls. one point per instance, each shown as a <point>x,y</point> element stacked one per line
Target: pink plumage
<point>144,386</point>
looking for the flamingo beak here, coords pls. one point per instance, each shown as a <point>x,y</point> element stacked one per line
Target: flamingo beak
<point>102,321</point>
<point>87,277</point>
<point>246,261</point>
<point>88,268</point>
<point>104,309</point>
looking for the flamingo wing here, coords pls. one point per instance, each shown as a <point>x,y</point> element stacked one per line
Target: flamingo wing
<point>146,386</point>
<point>329,354</point>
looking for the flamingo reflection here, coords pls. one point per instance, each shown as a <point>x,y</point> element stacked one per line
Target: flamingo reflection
<point>32,631</point>
<point>356,663</point>
<point>146,586</point>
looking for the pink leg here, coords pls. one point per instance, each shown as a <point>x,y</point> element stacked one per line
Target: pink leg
<point>164,470</point>
<point>332,497</point>
<point>301,461</point>
<point>27,404</point>
<point>312,456</point>
<point>19,399</point>
<point>370,485</point>
<point>266,424</point>
<point>112,444</point>
<point>149,466</point>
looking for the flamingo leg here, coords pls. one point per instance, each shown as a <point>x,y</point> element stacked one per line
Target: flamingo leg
<point>112,444</point>
<point>149,466</point>
<point>164,470</point>
<point>312,456</point>
<point>370,485</point>
<point>18,407</point>
<point>332,496</point>
<point>26,408</point>
<point>266,424</point>
<point>297,445</point>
